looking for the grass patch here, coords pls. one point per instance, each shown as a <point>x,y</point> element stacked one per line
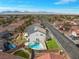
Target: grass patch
<point>52,44</point>
<point>22,54</point>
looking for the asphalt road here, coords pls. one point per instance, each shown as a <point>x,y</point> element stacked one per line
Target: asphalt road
<point>68,45</point>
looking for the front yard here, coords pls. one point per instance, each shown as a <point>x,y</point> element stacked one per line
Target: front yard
<point>52,44</point>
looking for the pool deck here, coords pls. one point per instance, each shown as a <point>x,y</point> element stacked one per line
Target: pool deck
<point>44,45</point>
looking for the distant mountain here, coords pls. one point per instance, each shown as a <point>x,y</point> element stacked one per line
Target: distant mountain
<point>26,12</point>
<point>23,12</point>
<point>10,12</point>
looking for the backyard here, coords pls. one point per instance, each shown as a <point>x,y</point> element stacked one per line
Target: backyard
<point>22,54</point>
<point>52,44</point>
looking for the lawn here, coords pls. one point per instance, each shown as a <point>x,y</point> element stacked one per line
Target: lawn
<point>52,44</point>
<point>22,54</point>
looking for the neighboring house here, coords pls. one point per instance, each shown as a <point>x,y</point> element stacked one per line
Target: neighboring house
<point>14,26</point>
<point>76,21</point>
<point>58,24</point>
<point>49,56</point>
<point>36,33</point>
<point>74,35</point>
<point>2,29</point>
<point>8,46</point>
<point>2,41</point>
<point>75,32</point>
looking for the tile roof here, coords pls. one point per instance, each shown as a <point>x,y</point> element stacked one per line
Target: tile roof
<point>33,28</point>
<point>13,26</point>
<point>76,30</point>
<point>50,56</point>
<point>2,29</point>
<point>53,56</point>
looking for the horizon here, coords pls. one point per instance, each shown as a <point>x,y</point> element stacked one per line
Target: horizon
<point>56,6</point>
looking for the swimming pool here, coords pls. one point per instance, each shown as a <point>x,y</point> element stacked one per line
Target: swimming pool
<point>37,46</point>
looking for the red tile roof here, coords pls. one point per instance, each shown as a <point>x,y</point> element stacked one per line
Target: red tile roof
<point>76,30</point>
<point>44,56</point>
<point>53,56</point>
<point>2,29</point>
<point>12,26</point>
<point>50,56</point>
<point>8,56</point>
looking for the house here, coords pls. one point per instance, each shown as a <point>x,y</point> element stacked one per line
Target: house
<point>2,41</point>
<point>36,37</point>
<point>14,26</point>
<point>73,29</point>
<point>75,32</point>
<point>58,23</point>
<point>8,46</point>
<point>76,21</point>
<point>8,56</point>
<point>35,32</point>
<point>74,35</point>
<point>48,55</point>
<point>2,29</point>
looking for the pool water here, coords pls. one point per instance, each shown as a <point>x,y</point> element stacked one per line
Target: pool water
<point>36,46</point>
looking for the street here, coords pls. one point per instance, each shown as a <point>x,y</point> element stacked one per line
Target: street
<point>68,45</point>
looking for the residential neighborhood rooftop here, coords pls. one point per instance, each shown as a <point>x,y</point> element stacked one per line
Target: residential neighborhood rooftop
<point>49,56</point>
<point>2,29</point>
<point>33,28</point>
<point>12,26</point>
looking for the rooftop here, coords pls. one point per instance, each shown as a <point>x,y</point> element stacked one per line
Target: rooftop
<point>76,30</point>
<point>12,26</point>
<point>49,56</point>
<point>33,28</point>
<point>2,29</point>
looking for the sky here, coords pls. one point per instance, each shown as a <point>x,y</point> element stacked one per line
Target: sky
<point>56,6</point>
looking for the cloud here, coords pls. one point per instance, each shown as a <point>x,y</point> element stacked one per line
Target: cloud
<point>64,11</point>
<point>6,8</point>
<point>11,9</point>
<point>64,1</point>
